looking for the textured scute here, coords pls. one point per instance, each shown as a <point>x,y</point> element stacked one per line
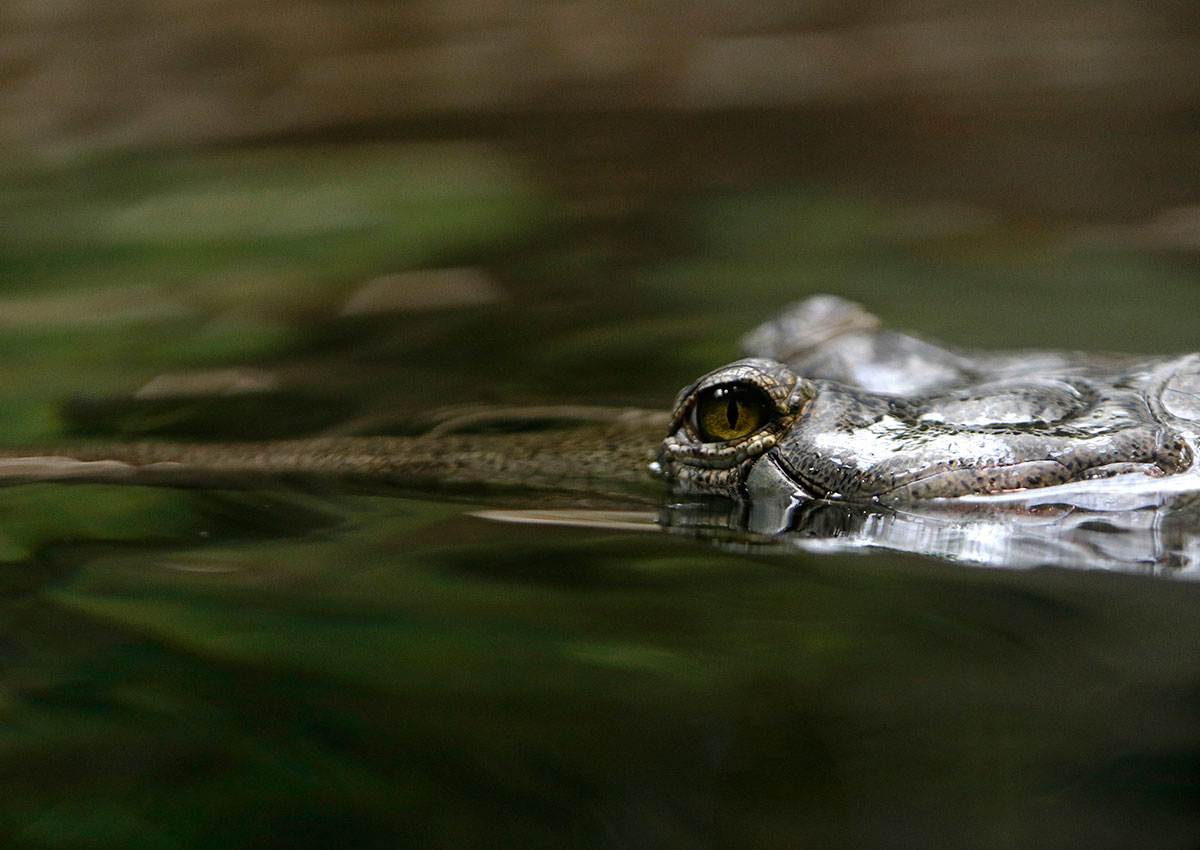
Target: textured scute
<point>890,417</point>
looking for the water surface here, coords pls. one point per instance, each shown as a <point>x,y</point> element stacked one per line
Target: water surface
<point>312,666</point>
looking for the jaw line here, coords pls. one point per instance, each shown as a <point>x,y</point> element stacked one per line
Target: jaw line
<point>767,480</point>
<point>773,496</point>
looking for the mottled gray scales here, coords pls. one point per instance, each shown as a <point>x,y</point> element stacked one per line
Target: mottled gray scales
<point>887,416</point>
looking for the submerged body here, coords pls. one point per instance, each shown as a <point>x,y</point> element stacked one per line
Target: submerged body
<point>828,405</point>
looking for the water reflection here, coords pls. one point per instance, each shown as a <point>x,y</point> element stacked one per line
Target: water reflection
<point>1155,540</point>
<point>1152,535</point>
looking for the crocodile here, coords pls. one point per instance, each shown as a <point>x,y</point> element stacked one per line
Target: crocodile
<point>828,404</point>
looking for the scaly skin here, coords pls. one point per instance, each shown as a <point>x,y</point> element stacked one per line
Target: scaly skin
<point>593,459</point>
<point>862,414</point>
<point>849,427</point>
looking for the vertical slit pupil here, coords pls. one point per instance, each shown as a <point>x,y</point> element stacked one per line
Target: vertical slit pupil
<point>731,413</point>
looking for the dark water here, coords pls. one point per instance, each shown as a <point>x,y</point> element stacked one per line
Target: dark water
<point>369,671</point>
<point>310,667</point>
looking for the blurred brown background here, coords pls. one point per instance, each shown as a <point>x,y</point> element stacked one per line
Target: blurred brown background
<point>116,73</point>
<point>99,73</point>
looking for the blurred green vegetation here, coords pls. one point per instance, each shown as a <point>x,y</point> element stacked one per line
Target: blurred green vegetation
<point>957,272</point>
<point>120,269</point>
<point>299,222</point>
<point>116,270</point>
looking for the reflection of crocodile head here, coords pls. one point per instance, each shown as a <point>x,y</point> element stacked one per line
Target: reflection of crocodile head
<point>831,407</point>
<point>1114,527</point>
<point>1135,536</point>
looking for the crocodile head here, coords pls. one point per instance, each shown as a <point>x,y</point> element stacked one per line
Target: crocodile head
<point>756,429</point>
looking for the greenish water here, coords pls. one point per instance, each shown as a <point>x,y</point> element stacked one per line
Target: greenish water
<point>311,667</point>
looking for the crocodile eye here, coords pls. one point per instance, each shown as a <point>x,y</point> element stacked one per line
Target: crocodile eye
<point>730,412</point>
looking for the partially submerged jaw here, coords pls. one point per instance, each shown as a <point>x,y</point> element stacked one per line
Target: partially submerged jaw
<point>754,430</point>
<point>693,456</point>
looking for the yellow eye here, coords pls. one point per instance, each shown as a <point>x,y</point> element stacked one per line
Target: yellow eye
<point>730,412</point>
